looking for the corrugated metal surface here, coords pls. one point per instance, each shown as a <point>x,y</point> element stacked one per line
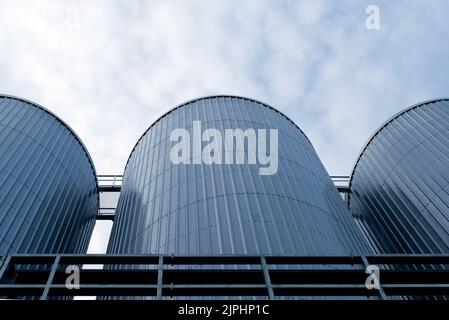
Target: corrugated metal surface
<point>227,209</point>
<point>48,190</point>
<point>399,190</point>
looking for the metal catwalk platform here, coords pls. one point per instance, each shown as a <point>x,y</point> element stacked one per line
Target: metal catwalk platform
<point>112,184</point>
<point>192,277</point>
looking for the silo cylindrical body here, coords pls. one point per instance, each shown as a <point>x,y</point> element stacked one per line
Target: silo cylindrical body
<point>399,188</point>
<point>48,190</point>
<point>203,206</point>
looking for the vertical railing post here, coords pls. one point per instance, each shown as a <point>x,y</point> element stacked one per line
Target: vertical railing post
<point>51,277</point>
<point>266,276</point>
<point>4,264</point>
<point>160,268</point>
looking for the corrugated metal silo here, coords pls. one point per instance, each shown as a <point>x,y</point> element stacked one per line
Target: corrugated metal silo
<point>399,188</point>
<point>48,190</point>
<point>201,208</point>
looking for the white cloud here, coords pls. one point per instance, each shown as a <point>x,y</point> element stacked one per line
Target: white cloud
<point>111,68</point>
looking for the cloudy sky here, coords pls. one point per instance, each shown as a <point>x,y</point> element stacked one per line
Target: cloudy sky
<point>110,68</point>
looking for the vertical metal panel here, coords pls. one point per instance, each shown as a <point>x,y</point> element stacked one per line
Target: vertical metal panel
<point>230,209</point>
<point>48,190</point>
<point>399,188</point>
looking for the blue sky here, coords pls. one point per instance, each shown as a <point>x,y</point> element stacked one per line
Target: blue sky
<point>109,69</point>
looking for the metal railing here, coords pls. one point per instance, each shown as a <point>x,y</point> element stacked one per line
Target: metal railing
<point>110,182</point>
<point>113,183</point>
<point>264,277</point>
<point>106,214</point>
<point>342,183</point>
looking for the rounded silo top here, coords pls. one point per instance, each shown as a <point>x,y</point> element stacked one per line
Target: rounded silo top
<point>223,201</point>
<point>212,97</point>
<point>72,132</point>
<point>398,184</point>
<point>49,195</point>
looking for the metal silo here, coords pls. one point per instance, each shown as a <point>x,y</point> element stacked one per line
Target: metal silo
<point>222,206</point>
<point>399,188</point>
<point>48,190</point>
